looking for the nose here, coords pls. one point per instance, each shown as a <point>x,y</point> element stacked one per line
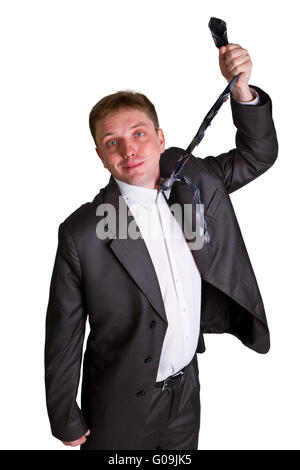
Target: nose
<point>128,150</point>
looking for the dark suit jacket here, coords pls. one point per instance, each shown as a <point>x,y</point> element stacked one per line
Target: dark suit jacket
<point>114,284</point>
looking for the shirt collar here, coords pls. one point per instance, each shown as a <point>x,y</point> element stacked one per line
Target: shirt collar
<point>139,194</point>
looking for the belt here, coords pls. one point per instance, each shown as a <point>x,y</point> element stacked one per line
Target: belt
<point>172,380</point>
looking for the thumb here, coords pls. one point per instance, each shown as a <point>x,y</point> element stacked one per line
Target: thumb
<point>222,50</point>
<point>88,432</point>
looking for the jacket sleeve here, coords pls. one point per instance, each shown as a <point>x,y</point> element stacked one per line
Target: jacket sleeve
<point>65,328</point>
<point>256,144</point>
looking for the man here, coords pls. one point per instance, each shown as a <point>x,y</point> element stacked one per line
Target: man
<point>150,299</point>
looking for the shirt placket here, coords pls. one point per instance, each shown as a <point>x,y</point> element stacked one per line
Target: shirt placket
<point>177,282</point>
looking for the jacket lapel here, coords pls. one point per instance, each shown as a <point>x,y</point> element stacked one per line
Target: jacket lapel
<point>133,253</point>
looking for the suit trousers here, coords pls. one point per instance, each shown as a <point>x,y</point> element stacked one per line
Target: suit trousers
<point>173,421</point>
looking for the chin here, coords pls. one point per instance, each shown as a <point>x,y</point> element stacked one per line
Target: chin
<point>138,180</point>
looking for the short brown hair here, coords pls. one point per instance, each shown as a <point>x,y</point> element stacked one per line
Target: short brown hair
<point>118,100</point>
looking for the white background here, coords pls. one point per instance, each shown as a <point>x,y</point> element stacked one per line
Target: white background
<point>58,59</point>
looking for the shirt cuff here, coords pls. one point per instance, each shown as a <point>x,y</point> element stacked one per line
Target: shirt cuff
<point>255,95</point>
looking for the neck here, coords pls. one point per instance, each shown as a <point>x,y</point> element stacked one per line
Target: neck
<point>155,184</point>
<point>157,180</point>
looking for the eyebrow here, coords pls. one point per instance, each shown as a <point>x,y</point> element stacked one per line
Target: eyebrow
<point>132,127</point>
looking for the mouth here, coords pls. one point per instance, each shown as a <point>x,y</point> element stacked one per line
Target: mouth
<point>134,165</point>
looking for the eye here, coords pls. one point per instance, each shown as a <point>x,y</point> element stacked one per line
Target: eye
<point>110,143</point>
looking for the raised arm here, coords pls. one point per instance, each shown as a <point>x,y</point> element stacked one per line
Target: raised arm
<point>256,142</point>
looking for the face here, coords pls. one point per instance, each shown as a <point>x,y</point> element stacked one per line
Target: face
<point>129,147</point>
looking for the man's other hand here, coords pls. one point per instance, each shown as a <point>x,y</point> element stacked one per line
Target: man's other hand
<point>79,441</point>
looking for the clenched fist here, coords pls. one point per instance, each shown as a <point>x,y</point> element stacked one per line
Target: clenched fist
<point>234,60</point>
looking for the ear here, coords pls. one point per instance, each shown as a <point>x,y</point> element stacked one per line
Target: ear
<point>100,156</point>
<point>161,140</point>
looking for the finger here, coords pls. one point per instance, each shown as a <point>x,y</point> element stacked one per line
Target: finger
<point>230,46</point>
<point>78,442</point>
<point>238,61</point>
<point>225,50</point>
<point>229,56</point>
<point>88,432</point>
<point>245,67</point>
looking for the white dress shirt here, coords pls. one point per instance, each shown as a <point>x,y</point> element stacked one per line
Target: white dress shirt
<point>178,276</point>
